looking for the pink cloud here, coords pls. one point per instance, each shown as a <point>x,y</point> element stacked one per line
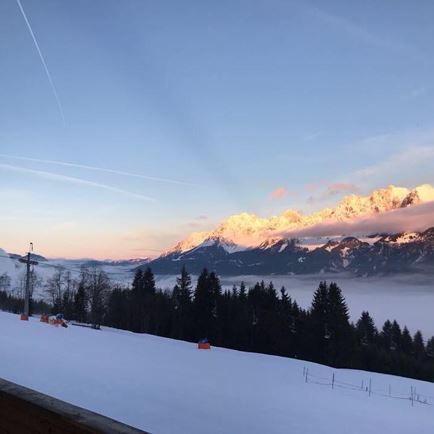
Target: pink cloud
<point>279,193</point>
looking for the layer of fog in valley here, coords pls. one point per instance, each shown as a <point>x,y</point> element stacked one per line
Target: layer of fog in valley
<point>407,298</point>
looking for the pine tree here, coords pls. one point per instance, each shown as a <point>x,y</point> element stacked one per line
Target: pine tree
<point>137,285</point>
<point>224,321</point>
<point>149,282</point>
<point>184,284</point>
<point>80,302</point>
<point>142,296</point>
<point>149,315</point>
<point>418,346</point>
<point>406,342</point>
<point>241,320</point>
<point>205,305</point>
<point>365,329</point>
<point>286,324</point>
<point>319,308</point>
<point>386,336</point>
<point>430,348</point>
<point>181,297</point>
<point>318,324</point>
<point>116,309</point>
<point>266,320</point>
<point>136,302</point>
<point>340,338</point>
<point>242,293</point>
<point>396,336</point>
<point>161,313</point>
<point>367,336</point>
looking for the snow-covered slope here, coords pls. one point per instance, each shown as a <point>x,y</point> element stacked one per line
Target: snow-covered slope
<point>248,230</point>
<point>166,386</point>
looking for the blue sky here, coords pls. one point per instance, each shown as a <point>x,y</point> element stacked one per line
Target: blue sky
<point>226,101</point>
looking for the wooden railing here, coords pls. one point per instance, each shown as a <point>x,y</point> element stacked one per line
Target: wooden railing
<point>23,411</point>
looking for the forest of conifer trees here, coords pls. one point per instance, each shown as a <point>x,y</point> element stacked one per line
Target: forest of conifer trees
<point>258,319</point>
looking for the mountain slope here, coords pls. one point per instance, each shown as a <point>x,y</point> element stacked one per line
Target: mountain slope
<point>165,386</point>
<point>376,254</point>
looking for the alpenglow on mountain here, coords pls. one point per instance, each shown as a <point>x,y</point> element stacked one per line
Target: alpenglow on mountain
<point>248,244</point>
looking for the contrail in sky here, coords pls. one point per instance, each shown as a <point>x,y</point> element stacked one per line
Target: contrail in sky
<point>44,64</point>
<point>72,180</point>
<point>99,169</point>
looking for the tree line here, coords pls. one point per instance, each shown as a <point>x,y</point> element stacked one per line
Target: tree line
<point>259,319</point>
<point>11,302</point>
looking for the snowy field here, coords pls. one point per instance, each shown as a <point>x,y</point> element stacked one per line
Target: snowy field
<point>408,299</point>
<point>166,386</point>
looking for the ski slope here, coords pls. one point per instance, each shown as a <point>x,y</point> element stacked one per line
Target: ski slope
<point>167,386</point>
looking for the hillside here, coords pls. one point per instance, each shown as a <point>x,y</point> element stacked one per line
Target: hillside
<point>166,386</point>
<point>118,270</point>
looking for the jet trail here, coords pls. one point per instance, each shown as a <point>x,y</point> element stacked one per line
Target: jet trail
<point>100,169</point>
<point>72,180</point>
<point>44,64</point>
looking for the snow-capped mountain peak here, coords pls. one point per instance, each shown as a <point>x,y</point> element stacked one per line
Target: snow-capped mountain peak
<point>246,230</point>
<point>421,194</point>
<point>192,241</point>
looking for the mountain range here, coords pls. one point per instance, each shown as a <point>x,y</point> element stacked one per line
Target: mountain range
<point>248,244</point>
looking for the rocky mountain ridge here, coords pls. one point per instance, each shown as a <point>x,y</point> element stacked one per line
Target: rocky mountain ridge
<point>245,231</point>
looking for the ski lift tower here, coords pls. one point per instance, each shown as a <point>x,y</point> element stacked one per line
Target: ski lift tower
<point>29,262</point>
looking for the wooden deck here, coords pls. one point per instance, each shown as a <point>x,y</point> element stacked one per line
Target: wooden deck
<point>25,411</point>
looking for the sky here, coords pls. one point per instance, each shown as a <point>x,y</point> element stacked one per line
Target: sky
<point>125,125</point>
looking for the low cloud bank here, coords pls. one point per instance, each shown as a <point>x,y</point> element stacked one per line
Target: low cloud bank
<point>415,218</point>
